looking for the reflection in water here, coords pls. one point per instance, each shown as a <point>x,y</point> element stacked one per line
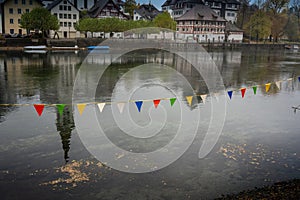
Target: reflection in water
<point>65,125</point>
<point>259,141</point>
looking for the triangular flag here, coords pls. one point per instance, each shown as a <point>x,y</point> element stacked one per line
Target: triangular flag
<point>60,108</point>
<point>139,105</point>
<point>172,101</point>
<point>278,84</point>
<point>101,106</point>
<point>121,107</point>
<point>268,87</point>
<point>230,93</point>
<point>39,108</point>
<point>81,107</point>
<point>156,102</point>
<point>203,97</point>
<point>254,89</point>
<point>189,99</point>
<point>299,78</point>
<point>243,91</point>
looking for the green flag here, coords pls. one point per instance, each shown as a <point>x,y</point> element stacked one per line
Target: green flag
<point>60,108</point>
<point>254,89</point>
<point>172,101</point>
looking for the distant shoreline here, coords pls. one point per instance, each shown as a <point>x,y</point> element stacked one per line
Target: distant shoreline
<point>17,44</point>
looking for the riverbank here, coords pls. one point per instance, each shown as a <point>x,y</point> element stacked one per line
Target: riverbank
<point>281,190</point>
<point>18,44</point>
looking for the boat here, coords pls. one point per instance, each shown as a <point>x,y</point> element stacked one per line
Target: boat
<point>75,48</point>
<point>39,47</point>
<point>36,51</point>
<point>292,47</point>
<point>98,48</point>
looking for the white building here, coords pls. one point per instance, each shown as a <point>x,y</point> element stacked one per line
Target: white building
<point>68,15</point>
<point>227,9</point>
<point>201,24</point>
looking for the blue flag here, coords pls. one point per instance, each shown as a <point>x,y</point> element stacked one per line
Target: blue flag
<point>299,78</point>
<point>139,105</point>
<point>230,94</point>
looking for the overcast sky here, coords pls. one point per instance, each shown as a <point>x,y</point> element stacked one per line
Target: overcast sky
<point>157,3</point>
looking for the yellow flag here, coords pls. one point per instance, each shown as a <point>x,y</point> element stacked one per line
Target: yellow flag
<point>81,108</point>
<point>189,99</point>
<point>268,87</point>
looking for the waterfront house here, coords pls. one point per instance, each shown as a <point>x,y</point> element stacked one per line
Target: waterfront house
<point>233,33</point>
<point>67,15</point>
<point>201,24</point>
<point>145,12</point>
<point>227,9</point>
<point>11,11</point>
<point>108,8</point>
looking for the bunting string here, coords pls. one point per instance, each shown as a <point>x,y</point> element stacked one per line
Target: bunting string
<point>39,108</point>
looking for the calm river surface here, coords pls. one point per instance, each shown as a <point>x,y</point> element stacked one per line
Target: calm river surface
<point>44,158</point>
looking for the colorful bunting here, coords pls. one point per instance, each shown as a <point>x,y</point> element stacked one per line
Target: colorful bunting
<point>172,101</point>
<point>60,108</point>
<point>139,105</point>
<point>268,85</point>
<point>203,97</point>
<point>254,89</point>
<point>230,93</point>
<point>243,91</point>
<point>81,107</point>
<point>156,102</point>
<point>189,99</point>
<point>121,107</point>
<point>278,84</point>
<point>39,108</point>
<point>101,106</point>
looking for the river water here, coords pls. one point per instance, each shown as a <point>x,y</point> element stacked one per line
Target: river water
<point>44,157</point>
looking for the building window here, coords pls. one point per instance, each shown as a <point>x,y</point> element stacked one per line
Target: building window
<point>23,2</point>
<point>27,10</point>
<point>74,24</point>
<point>19,11</point>
<point>65,16</point>
<point>12,31</point>
<point>16,1</point>
<point>69,8</point>
<point>60,15</point>
<point>69,16</point>
<point>69,24</point>
<point>19,21</point>
<point>65,24</point>
<point>55,14</point>
<point>11,11</point>
<point>65,2</point>
<point>60,7</point>
<point>61,24</point>
<point>11,21</point>
<point>30,2</point>
<point>65,7</point>
<point>74,16</point>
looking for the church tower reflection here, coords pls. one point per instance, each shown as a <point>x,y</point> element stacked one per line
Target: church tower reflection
<point>65,125</point>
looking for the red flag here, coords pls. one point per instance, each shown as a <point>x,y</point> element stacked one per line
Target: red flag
<point>243,90</point>
<point>39,108</point>
<point>156,102</point>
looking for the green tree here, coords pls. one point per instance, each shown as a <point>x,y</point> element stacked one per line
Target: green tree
<point>164,20</point>
<point>130,5</point>
<point>292,28</point>
<point>39,19</point>
<point>259,25</point>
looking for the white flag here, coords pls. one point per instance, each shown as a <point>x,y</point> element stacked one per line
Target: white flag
<point>121,107</point>
<point>203,97</point>
<point>101,106</point>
